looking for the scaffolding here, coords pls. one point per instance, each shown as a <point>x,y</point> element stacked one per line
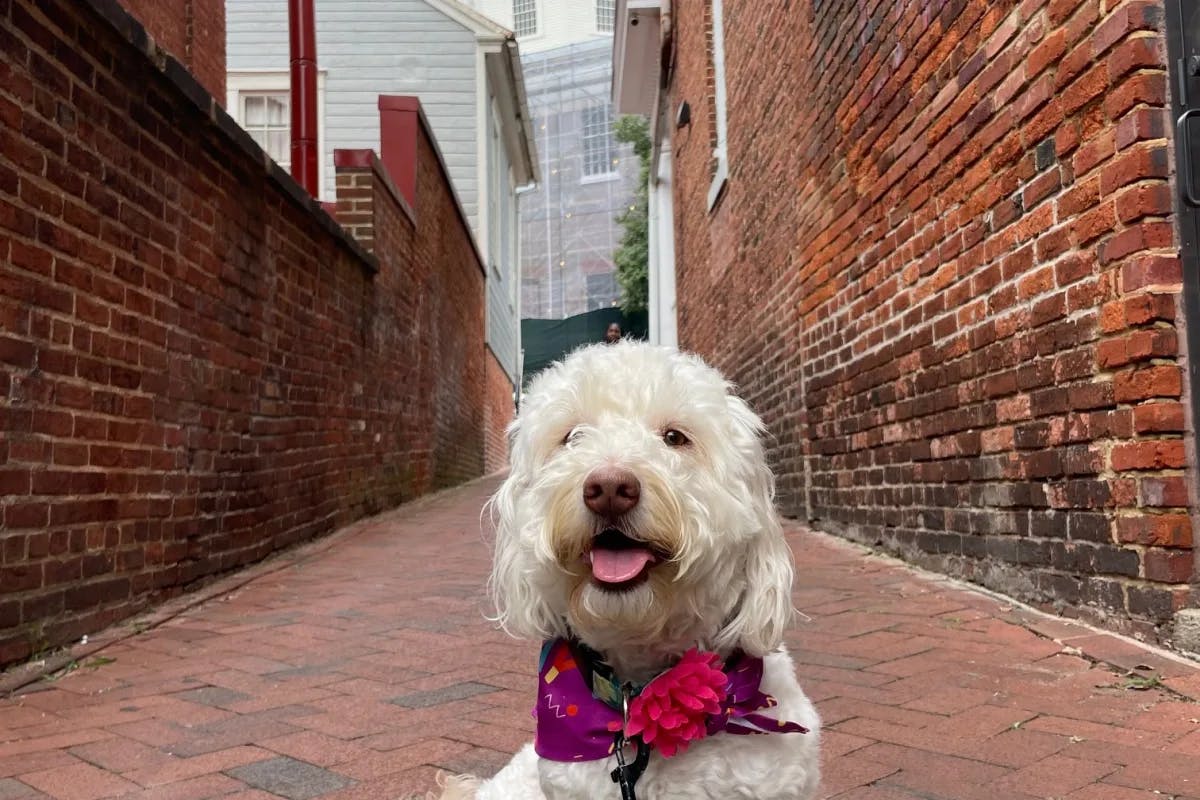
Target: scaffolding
<point>569,230</point>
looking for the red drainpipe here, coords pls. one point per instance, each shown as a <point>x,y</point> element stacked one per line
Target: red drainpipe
<point>302,30</point>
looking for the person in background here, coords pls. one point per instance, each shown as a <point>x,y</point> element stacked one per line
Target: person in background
<point>613,334</point>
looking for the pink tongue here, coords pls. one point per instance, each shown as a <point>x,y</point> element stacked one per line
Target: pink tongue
<point>618,566</point>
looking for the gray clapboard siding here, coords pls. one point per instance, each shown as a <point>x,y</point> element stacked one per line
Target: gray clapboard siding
<point>502,249</point>
<point>256,34</point>
<point>368,48</point>
<point>501,337</point>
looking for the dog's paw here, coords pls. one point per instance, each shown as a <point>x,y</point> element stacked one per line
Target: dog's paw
<point>454,787</point>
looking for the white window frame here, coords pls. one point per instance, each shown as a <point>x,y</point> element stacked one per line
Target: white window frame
<point>256,82</point>
<point>244,97</point>
<point>721,152</point>
<point>612,21</point>
<point>613,168</point>
<point>538,20</point>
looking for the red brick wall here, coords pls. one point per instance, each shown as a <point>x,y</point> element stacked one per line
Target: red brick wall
<point>498,412</point>
<point>428,265</point>
<point>191,30</point>
<point>197,365</point>
<point>945,272</point>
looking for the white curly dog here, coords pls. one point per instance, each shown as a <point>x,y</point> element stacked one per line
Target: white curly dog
<point>638,524</point>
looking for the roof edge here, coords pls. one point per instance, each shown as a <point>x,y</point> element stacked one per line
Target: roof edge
<point>471,19</point>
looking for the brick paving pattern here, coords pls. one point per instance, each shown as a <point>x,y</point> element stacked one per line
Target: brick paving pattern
<point>359,667</point>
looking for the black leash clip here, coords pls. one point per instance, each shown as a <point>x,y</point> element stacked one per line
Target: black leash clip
<point>626,774</point>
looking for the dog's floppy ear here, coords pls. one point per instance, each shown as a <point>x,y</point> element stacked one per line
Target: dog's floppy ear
<point>520,609</point>
<point>764,610</point>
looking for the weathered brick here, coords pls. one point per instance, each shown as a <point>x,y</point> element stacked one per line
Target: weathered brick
<point>1140,124</point>
<point>1139,163</point>
<point>1158,418</point>
<point>1165,491</point>
<point>1154,601</point>
<point>1147,382</point>
<point>1129,18</point>
<point>1137,310</point>
<point>203,369</point>
<point>1048,52</point>
<point>1152,454</point>
<point>1155,530</point>
<point>1093,152</point>
<point>1141,88</point>
<point>1145,51</point>
<point>1145,272</point>
<point>1168,566</point>
<point>1042,191</point>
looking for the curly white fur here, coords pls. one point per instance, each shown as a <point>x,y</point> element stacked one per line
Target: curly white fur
<point>726,585</point>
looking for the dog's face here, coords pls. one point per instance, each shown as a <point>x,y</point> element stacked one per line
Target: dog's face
<point>638,513</point>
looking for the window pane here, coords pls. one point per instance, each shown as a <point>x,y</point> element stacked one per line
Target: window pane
<point>602,291</point>
<point>599,152</point>
<point>265,117</point>
<point>256,111</point>
<point>524,17</point>
<point>606,11</point>
<point>279,146</point>
<point>277,109</point>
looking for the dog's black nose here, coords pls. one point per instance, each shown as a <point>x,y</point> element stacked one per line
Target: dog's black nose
<point>611,491</point>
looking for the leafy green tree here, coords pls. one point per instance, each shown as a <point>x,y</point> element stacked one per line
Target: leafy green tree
<point>633,255</point>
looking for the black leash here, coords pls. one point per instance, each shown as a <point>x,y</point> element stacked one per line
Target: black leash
<point>608,689</point>
<point>627,773</point>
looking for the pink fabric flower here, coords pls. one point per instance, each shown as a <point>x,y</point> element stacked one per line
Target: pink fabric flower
<point>672,711</point>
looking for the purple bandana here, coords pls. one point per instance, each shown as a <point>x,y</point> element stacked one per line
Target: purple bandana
<point>573,725</point>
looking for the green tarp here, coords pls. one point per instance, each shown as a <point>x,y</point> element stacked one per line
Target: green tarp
<point>548,340</point>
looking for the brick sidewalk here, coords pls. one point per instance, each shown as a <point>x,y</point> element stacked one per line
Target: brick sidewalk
<point>358,667</point>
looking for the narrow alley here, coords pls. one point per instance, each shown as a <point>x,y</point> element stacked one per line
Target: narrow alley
<point>362,665</point>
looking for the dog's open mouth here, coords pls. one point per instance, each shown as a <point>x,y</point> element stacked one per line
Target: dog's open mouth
<point>619,561</point>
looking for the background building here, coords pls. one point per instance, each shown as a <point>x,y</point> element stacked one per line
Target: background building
<point>548,24</point>
<point>461,65</point>
<point>568,222</point>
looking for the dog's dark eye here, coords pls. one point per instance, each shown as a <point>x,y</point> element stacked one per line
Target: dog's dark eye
<point>675,438</point>
<point>570,436</point>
